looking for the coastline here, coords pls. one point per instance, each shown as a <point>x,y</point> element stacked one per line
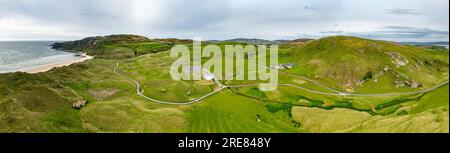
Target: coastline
<point>47,67</point>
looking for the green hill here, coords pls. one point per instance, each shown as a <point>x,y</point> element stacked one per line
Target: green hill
<point>115,46</point>
<point>362,65</point>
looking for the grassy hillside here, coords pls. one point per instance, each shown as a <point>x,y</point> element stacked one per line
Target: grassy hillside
<point>362,65</point>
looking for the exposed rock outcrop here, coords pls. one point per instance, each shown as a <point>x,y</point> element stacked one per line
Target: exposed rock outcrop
<point>397,59</point>
<point>79,104</point>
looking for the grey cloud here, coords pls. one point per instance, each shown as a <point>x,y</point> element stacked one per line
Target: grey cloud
<point>311,8</point>
<point>331,32</point>
<point>413,31</point>
<point>405,33</point>
<point>194,14</point>
<point>402,11</point>
<point>219,19</point>
<point>395,33</point>
<point>98,15</point>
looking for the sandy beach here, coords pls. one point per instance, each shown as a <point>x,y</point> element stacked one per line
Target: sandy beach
<point>47,67</point>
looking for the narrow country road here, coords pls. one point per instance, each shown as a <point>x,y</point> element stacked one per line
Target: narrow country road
<point>349,94</point>
<point>302,77</point>
<point>222,86</point>
<point>138,86</point>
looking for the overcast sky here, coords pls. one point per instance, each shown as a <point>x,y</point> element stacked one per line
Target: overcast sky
<point>397,20</point>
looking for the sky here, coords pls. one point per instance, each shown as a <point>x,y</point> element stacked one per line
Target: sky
<point>395,20</point>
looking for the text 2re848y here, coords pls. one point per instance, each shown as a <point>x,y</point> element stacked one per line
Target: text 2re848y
<point>227,142</point>
<point>246,142</point>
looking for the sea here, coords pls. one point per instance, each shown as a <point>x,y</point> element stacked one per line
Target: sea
<point>26,55</point>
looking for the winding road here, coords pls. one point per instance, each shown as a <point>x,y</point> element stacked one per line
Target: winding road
<point>138,86</point>
<point>348,94</point>
<point>222,86</point>
<point>302,77</point>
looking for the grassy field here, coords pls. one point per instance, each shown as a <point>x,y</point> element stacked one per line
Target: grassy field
<point>427,114</point>
<point>226,112</point>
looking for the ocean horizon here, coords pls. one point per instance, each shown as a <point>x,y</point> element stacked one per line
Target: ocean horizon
<point>20,56</point>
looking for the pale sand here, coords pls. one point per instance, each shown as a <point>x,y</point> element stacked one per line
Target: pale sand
<point>47,67</point>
